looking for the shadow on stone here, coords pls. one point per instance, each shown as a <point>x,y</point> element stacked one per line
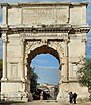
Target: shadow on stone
<point>9,102</point>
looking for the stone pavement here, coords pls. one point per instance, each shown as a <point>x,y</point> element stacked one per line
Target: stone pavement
<point>42,103</point>
<point>84,103</point>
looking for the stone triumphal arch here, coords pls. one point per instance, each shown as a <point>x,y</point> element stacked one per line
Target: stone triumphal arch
<point>29,29</point>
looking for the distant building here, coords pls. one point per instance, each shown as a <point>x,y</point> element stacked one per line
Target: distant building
<point>50,89</point>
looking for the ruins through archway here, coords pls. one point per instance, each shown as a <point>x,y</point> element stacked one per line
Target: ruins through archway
<point>29,29</point>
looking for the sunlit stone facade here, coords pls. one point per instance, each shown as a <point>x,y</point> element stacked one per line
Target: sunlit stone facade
<point>29,29</point>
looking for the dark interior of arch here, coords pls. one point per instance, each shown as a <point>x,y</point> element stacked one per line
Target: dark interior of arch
<point>43,50</point>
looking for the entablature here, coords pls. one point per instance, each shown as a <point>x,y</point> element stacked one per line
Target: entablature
<point>40,29</point>
<point>44,29</point>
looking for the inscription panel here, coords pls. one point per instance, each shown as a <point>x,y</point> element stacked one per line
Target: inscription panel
<point>35,16</point>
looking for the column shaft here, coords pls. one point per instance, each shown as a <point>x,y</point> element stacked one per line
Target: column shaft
<point>4,59</point>
<point>22,59</point>
<point>66,61</point>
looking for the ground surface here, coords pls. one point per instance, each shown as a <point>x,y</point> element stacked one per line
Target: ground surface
<point>42,103</point>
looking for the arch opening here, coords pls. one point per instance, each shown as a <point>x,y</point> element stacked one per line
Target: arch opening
<point>45,86</point>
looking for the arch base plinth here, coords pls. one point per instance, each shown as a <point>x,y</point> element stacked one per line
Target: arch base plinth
<point>15,91</point>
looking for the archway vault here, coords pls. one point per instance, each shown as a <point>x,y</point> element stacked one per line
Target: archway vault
<point>33,48</point>
<point>43,50</point>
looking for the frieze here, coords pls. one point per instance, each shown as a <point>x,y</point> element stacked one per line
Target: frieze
<point>41,36</point>
<point>44,34</point>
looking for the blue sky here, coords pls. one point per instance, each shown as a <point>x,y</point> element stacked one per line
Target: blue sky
<point>46,65</point>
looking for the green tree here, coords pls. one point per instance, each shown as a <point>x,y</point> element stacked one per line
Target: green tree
<point>84,73</point>
<point>1,63</point>
<point>33,79</point>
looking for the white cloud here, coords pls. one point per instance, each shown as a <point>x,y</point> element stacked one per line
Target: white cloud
<point>41,61</point>
<point>46,68</point>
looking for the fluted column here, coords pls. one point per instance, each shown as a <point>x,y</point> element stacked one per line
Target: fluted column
<point>22,59</point>
<point>66,61</point>
<point>4,38</point>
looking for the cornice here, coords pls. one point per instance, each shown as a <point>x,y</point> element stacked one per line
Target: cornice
<point>30,4</point>
<point>4,29</point>
<point>45,29</point>
<point>79,30</point>
<point>4,4</point>
<point>14,80</point>
<point>38,29</point>
<point>70,81</point>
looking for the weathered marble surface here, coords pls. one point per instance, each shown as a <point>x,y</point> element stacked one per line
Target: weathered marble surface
<point>29,29</point>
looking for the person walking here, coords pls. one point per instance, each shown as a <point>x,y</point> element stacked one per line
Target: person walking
<point>74,98</point>
<point>71,98</point>
<point>41,95</point>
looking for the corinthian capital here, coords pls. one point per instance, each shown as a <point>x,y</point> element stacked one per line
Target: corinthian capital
<point>22,40</point>
<point>4,38</point>
<point>67,41</point>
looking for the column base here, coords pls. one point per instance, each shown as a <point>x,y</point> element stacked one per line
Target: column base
<point>4,79</point>
<point>15,90</point>
<point>23,80</point>
<point>18,96</point>
<point>4,25</point>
